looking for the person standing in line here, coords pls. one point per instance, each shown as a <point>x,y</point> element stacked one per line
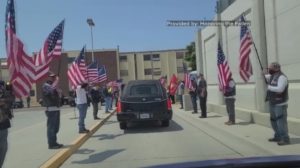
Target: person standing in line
<point>180,92</point>
<point>193,94</point>
<point>28,99</point>
<point>6,101</point>
<point>82,106</point>
<point>278,102</point>
<point>229,96</point>
<point>95,98</point>
<point>51,101</point>
<point>202,94</point>
<point>107,96</point>
<point>171,95</point>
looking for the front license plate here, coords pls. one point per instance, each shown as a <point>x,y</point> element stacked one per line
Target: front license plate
<point>144,116</point>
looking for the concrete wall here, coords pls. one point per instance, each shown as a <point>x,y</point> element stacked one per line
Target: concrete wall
<point>276,33</point>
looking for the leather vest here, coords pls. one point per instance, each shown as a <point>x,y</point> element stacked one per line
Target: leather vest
<point>277,98</point>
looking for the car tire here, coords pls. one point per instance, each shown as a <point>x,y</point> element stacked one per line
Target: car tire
<point>123,125</point>
<point>165,123</point>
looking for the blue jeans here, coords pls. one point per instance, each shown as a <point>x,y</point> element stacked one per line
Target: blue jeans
<point>82,108</point>
<point>3,145</point>
<point>194,101</point>
<point>278,117</point>
<point>108,103</point>
<point>53,118</point>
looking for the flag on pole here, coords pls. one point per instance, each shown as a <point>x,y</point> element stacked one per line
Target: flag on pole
<point>245,49</point>
<point>52,49</point>
<point>77,72</point>
<point>224,73</point>
<point>16,56</point>
<point>95,73</point>
<point>187,77</point>
<point>173,85</point>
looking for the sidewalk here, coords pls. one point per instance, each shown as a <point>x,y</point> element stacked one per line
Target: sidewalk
<point>28,146</point>
<point>253,133</point>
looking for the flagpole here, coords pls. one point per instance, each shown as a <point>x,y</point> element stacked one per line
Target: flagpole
<point>257,55</point>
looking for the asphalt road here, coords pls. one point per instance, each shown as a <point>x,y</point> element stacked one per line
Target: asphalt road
<point>187,139</point>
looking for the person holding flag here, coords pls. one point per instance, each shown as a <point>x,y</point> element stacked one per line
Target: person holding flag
<point>172,88</point>
<point>226,84</point>
<point>51,101</point>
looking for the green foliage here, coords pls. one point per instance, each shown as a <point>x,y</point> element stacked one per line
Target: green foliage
<point>190,55</point>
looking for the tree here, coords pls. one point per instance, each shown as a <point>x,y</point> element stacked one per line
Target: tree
<point>190,55</point>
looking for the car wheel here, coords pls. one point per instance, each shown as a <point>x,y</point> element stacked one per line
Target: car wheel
<point>123,125</point>
<point>165,123</point>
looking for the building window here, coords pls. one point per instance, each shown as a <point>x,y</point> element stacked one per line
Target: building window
<point>123,58</point>
<point>148,71</point>
<point>155,57</point>
<point>124,72</point>
<point>179,69</point>
<point>147,57</point>
<point>179,55</point>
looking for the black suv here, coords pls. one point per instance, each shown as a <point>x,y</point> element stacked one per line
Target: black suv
<point>144,100</point>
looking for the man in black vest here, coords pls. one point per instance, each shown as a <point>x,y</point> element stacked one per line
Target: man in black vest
<point>278,101</point>
<point>202,94</point>
<point>229,96</point>
<point>51,100</point>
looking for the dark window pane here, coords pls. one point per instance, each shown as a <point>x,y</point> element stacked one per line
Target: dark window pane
<point>147,57</point>
<point>123,58</point>
<point>148,71</point>
<point>155,57</point>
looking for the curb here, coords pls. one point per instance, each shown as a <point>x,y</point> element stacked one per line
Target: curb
<point>61,156</point>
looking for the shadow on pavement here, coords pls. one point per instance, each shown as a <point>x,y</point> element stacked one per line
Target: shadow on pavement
<point>151,127</point>
<point>106,136</point>
<point>99,157</point>
<point>214,116</point>
<point>84,151</point>
<point>243,123</point>
<point>295,141</point>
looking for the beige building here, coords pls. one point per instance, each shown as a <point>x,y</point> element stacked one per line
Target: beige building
<point>151,64</point>
<point>276,35</point>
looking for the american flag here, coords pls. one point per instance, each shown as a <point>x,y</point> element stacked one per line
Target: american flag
<point>52,49</point>
<point>17,57</point>
<point>224,73</point>
<point>77,72</point>
<point>96,74</point>
<point>187,79</point>
<point>245,49</point>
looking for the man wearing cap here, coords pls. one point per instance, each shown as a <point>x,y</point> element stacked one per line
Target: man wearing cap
<point>278,102</point>
<point>51,101</point>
